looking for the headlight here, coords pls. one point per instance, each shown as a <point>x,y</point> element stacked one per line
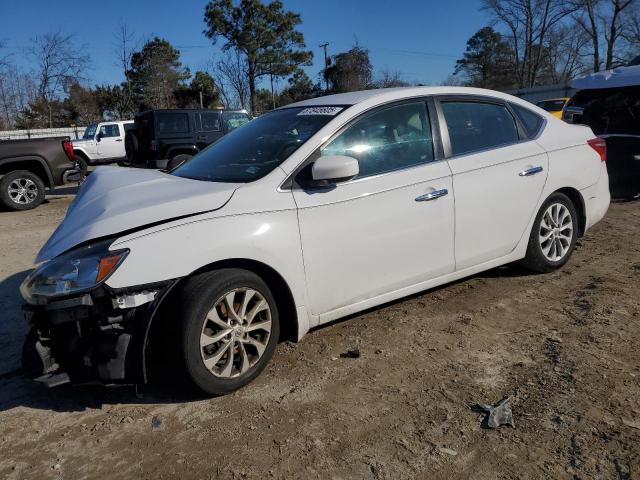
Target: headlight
<point>76,271</point>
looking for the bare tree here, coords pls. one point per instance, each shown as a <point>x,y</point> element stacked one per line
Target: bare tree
<point>60,63</point>
<point>17,90</point>
<point>528,23</point>
<point>566,53</point>
<point>606,22</point>
<point>232,80</point>
<point>390,78</point>
<point>631,34</point>
<point>587,20</point>
<point>125,46</point>
<point>614,29</point>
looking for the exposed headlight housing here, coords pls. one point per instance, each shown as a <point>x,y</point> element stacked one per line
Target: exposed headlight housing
<point>76,271</point>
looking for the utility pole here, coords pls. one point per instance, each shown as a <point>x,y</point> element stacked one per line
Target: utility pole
<point>273,94</point>
<point>326,63</point>
<point>201,105</point>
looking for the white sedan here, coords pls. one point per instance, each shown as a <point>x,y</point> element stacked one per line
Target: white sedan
<point>309,213</point>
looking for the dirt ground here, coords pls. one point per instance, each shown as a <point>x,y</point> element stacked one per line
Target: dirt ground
<point>565,346</point>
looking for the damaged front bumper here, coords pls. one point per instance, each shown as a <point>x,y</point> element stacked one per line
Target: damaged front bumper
<point>99,336</point>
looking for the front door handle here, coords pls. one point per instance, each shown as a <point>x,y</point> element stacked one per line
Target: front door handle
<point>530,171</point>
<point>432,195</point>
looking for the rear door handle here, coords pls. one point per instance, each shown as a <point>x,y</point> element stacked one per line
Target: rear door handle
<point>530,171</point>
<point>118,140</point>
<point>432,195</point>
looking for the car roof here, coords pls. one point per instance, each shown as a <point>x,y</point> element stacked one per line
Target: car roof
<point>382,95</point>
<point>178,110</point>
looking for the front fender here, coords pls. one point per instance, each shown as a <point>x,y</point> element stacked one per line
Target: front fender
<point>177,251</point>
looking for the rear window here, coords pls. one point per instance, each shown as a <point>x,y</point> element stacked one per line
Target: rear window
<point>475,126</point>
<point>173,122</point>
<point>532,122</point>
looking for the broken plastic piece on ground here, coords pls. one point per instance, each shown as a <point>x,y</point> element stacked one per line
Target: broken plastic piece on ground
<point>355,353</point>
<point>497,414</point>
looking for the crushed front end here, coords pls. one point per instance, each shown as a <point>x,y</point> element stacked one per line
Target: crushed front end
<point>82,330</point>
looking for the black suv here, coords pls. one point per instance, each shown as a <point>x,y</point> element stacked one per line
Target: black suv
<point>159,136</point>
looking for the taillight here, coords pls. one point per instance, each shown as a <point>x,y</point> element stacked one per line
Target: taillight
<point>68,149</point>
<point>600,146</point>
<point>153,145</point>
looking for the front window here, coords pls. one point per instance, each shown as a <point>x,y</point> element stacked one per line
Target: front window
<point>111,130</point>
<point>90,132</point>
<point>251,152</point>
<point>234,120</point>
<point>390,139</point>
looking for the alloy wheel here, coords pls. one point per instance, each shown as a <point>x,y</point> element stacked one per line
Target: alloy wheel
<point>23,191</point>
<point>556,232</point>
<point>235,333</point>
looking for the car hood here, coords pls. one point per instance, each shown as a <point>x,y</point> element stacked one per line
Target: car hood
<point>114,200</point>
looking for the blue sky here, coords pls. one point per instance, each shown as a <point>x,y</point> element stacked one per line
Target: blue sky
<point>420,38</point>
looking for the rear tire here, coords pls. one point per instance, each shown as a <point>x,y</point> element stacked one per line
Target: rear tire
<point>131,146</point>
<point>553,235</point>
<point>21,190</point>
<point>224,350</point>
<point>81,165</point>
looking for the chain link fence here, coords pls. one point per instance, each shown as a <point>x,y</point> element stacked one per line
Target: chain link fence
<point>73,132</point>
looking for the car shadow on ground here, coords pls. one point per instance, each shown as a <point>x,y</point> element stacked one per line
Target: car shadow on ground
<point>67,189</point>
<point>16,390</point>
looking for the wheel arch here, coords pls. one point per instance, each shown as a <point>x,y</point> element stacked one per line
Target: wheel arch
<point>81,153</point>
<point>578,202</point>
<point>174,150</point>
<point>278,285</point>
<point>33,165</point>
<point>289,322</point>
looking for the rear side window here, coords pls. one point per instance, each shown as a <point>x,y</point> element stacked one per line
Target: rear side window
<point>475,126</point>
<point>173,123</point>
<point>390,139</point>
<point>532,122</point>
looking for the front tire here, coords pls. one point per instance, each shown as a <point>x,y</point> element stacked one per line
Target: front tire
<point>230,329</point>
<point>553,235</point>
<point>21,190</point>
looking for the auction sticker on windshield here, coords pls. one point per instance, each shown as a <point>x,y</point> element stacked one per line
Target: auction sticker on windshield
<point>320,111</point>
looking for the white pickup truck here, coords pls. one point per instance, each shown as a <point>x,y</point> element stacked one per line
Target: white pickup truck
<point>102,142</point>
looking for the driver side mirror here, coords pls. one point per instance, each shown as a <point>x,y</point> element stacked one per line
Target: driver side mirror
<point>99,136</point>
<point>334,168</point>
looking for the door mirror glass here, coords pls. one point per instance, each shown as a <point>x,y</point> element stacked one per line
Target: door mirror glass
<point>99,136</point>
<point>334,168</point>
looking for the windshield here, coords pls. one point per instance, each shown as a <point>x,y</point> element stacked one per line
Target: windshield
<point>250,152</point>
<point>90,132</point>
<point>235,119</point>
